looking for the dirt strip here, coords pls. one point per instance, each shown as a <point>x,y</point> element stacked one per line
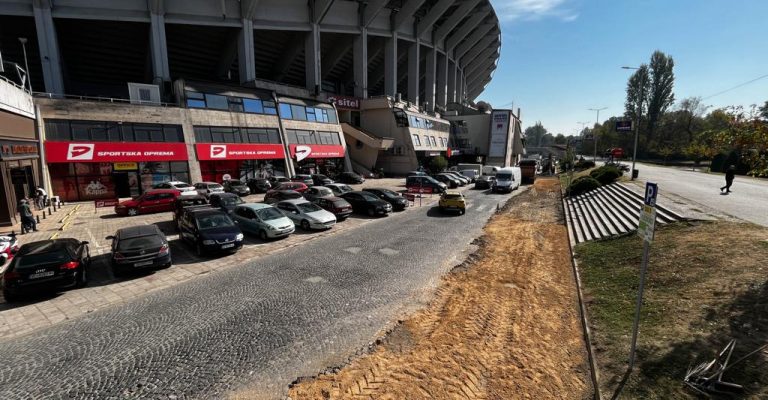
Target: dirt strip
<point>504,325</point>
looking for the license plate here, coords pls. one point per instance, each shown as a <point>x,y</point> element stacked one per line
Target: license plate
<point>41,275</point>
<point>142,264</point>
<point>227,246</point>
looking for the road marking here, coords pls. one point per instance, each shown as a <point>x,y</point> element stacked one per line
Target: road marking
<point>353,250</point>
<point>93,238</point>
<point>481,208</point>
<point>388,251</point>
<point>315,279</point>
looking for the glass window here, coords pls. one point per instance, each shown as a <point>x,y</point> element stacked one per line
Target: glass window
<point>195,95</point>
<point>127,131</point>
<point>203,134</point>
<point>332,117</point>
<point>235,104</point>
<point>274,136</point>
<point>217,102</point>
<point>269,108</point>
<point>311,115</point>
<point>192,103</point>
<point>57,130</point>
<point>285,111</point>
<point>299,112</point>
<point>113,133</point>
<point>253,106</point>
<point>401,118</point>
<point>156,134</point>
<point>416,140</point>
<point>81,130</point>
<point>434,142</point>
<point>179,166</point>
<point>172,134</point>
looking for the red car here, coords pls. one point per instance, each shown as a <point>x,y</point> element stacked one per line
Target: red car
<point>297,186</point>
<point>152,201</point>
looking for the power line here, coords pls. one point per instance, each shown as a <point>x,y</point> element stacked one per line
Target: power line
<point>736,87</point>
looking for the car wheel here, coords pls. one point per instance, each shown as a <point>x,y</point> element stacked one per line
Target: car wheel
<point>305,225</point>
<point>82,277</point>
<point>133,212</point>
<point>263,235</point>
<point>371,212</point>
<point>10,298</point>
<point>199,250</point>
<point>461,211</point>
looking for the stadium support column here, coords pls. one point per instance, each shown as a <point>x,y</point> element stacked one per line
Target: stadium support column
<point>246,56</point>
<point>49,47</point>
<point>312,59</point>
<point>158,47</point>
<point>390,66</point>
<point>413,72</point>
<point>360,60</point>
<point>460,82</point>
<point>429,79</point>
<point>451,82</point>
<point>442,80</point>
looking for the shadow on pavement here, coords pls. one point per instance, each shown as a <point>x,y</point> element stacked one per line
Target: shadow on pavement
<point>436,213</point>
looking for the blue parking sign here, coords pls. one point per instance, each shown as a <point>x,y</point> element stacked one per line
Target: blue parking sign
<point>651,190</point>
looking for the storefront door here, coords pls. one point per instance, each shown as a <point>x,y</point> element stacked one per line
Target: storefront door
<point>23,183</point>
<point>122,187</point>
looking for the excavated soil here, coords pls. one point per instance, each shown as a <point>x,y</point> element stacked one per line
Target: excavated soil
<point>503,326</point>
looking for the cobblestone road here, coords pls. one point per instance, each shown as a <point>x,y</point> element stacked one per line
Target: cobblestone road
<point>264,322</point>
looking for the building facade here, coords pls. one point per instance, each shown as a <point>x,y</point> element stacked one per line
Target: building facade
<point>486,137</point>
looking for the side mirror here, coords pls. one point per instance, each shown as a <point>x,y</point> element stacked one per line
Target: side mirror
<point>110,237</point>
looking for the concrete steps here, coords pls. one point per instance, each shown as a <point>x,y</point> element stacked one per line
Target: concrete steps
<point>608,211</point>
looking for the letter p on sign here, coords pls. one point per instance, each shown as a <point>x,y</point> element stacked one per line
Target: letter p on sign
<point>651,190</point>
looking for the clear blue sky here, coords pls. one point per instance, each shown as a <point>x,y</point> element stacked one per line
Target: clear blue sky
<point>561,57</point>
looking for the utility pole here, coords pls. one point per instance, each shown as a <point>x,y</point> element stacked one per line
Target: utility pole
<point>594,136</point>
<point>637,118</point>
<point>23,41</point>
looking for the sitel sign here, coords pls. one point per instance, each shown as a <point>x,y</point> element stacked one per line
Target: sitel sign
<point>80,152</point>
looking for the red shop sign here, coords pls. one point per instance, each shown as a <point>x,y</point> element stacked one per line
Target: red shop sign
<point>114,152</point>
<point>302,151</point>
<point>238,151</point>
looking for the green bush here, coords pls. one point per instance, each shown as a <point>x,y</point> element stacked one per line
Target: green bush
<point>584,164</point>
<point>583,184</point>
<point>606,174</point>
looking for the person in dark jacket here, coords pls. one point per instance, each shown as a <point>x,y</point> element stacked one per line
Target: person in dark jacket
<point>730,173</point>
<point>27,218</point>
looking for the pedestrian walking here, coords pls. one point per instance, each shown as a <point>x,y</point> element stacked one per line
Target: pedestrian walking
<point>27,218</point>
<point>730,173</point>
<point>42,197</point>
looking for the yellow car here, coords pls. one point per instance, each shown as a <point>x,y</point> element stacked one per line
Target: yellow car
<point>452,200</point>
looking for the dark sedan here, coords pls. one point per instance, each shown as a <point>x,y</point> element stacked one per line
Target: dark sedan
<point>335,205</point>
<point>350,177</point>
<point>237,187</point>
<point>303,178</point>
<point>274,196</point>
<point>398,202</point>
<point>259,185</point>
<point>210,231</point>
<point>320,180</point>
<point>484,182</point>
<point>367,203</point>
<point>225,201</point>
<point>47,265</point>
<point>138,247</point>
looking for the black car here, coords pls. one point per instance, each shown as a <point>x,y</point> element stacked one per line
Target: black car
<point>484,182</point>
<point>274,180</point>
<point>274,196</point>
<point>185,201</point>
<point>449,181</point>
<point>398,202</point>
<point>225,201</point>
<point>237,187</point>
<point>320,180</point>
<point>350,177</point>
<point>210,231</point>
<point>138,247</point>
<point>46,265</point>
<point>335,205</point>
<point>259,185</point>
<point>367,203</point>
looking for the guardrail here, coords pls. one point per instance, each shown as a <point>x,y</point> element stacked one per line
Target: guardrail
<point>55,96</point>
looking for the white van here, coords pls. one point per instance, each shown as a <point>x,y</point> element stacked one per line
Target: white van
<point>490,170</point>
<point>507,179</point>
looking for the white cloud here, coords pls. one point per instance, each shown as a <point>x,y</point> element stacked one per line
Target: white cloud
<point>509,10</point>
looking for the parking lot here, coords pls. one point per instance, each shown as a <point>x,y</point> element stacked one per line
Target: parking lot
<point>82,221</point>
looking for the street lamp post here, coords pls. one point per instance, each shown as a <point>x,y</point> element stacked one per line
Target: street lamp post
<point>23,41</point>
<point>637,118</point>
<point>594,136</point>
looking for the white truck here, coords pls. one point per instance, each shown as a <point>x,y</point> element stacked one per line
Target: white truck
<point>507,179</point>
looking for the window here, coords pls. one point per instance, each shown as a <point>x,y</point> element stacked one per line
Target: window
<point>299,112</point>
<point>253,106</point>
<point>311,115</point>
<point>235,104</point>
<point>195,100</point>
<point>416,140</point>
<point>203,134</point>
<point>434,142</point>
<point>216,102</point>
<point>401,118</point>
<point>269,107</point>
<point>285,111</point>
<point>148,133</point>
<point>172,134</point>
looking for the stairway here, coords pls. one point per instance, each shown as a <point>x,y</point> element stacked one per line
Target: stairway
<point>608,211</point>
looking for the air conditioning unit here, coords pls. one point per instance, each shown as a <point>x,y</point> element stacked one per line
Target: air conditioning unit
<point>143,93</point>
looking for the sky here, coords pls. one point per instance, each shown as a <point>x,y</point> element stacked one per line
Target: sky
<point>561,57</point>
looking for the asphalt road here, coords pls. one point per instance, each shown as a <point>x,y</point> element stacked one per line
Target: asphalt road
<point>264,323</point>
<point>748,199</point>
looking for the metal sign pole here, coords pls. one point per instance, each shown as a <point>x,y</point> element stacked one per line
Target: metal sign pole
<point>638,306</point>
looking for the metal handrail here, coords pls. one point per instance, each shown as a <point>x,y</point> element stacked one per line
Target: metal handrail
<point>54,96</point>
<point>14,83</point>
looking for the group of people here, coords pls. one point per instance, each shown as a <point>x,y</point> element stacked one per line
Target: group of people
<point>28,222</point>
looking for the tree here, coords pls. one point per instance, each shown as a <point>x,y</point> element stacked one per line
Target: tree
<point>747,133</point>
<point>666,151</point>
<point>437,164</point>
<point>692,110</point>
<point>560,139</point>
<point>634,92</point>
<point>662,83</point>
<point>764,111</point>
<point>534,134</point>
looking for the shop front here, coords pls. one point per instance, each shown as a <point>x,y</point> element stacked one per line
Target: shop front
<point>318,159</point>
<point>106,170</point>
<point>19,176</point>
<point>240,161</point>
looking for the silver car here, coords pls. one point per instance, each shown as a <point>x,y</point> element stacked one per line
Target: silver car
<point>263,220</point>
<point>316,192</point>
<point>339,188</point>
<point>306,214</point>
<point>208,188</point>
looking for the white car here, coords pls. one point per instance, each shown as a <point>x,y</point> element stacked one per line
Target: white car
<point>339,188</point>
<point>307,215</point>
<point>178,185</point>
<point>208,188</point>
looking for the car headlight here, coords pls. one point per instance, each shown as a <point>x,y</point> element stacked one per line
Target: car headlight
<point>271,228</point>
<point>209,242</point>
<point>239,236</point>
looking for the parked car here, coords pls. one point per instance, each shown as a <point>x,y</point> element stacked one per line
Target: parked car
<point>305,179</point>
<point>463,179</point>
<point>259,185</point>
<point>139,247</point>
<point>278,179</point>
<point>316,192</point>
<point>471,174</point>
<point>178,185</point>
<point>416,173</point>
<point>46,265</point>
<point>185,201</point>
<point>507,180</point>
<point>350,177</point>
<point>225,201</point>
<point>264,220</point>
<point>484,182</point>
<point>152,201</point>
<point>367,203</point>
<point>208,188</point>
<point>335,205</point>
<point>237,187</point>
<point>297,186</point>
<point>210,231</point>
<point>425,182</point>
<point>339,188</point>
<point>307,215</point>
<point>452,200</point>
<point>448,180</point>
<point>320,180</point>
<point>274,196</point>
<point>397,201</point>
<point>9,245</point>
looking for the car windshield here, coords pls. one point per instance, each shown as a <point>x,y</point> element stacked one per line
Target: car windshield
<point>308,207</point>
<point>504,176</point>
<point>344,188</point>
<point>321,177</point>
<point>452,197</point>
<point>212,221</point>
<point>341,203</point>
<point>269,214</point>
<point>192,202</point>
<point>231,201</point>
<point>215,186</point>
<point>180,184</point>
<point>324,192</point>
<point>47,255</point>
<point>140,242</point>
<point>368,196</point>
